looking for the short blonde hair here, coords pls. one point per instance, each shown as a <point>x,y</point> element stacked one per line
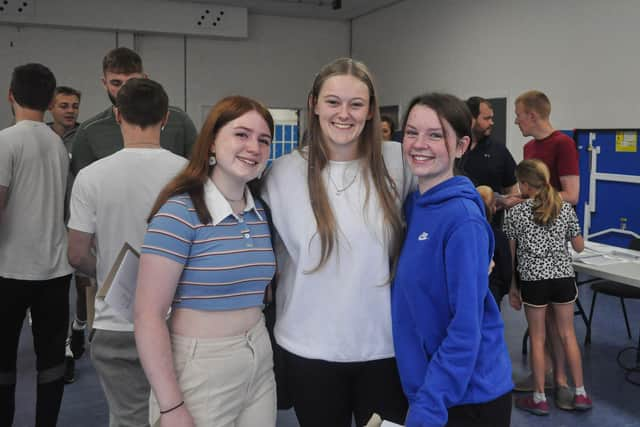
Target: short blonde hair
<point>536,101</point>
<point>489,199</point>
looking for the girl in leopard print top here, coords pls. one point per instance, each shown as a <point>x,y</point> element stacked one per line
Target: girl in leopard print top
<point>540,227</point>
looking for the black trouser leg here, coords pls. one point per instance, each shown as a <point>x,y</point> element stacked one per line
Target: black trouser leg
<point>50,314</point>
<point>331,393</point>
<point>13,309</point>
<point>495,413</point>
<point>378,390</point>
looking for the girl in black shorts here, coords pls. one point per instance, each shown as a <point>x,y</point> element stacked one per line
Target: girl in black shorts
<point>541,227</point>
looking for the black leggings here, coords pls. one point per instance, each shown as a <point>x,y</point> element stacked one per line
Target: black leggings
<point>331,393</point>
<point>49,304</point>
<point>495,413</point>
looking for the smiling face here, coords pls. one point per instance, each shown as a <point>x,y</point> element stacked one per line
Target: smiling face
<point>430,146</point>
<point>242,149</point>
<point>65,109</point>
<point>342,108</point>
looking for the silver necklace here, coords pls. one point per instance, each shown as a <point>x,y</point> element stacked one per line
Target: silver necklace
<point>339,190</point>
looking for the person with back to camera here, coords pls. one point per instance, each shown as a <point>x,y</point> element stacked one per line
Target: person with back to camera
<point>448,333</point>
<point>335,204</point>
<point>34,272</point>
<point>100,136</point>
<point>540,228</point>
<point>207,254</point>
<point>110,200</point>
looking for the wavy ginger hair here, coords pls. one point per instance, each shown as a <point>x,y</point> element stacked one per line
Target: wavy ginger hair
<point>192,178</point>
<point>314,148</point>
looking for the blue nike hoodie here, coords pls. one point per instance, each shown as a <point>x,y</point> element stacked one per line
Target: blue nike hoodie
<point>447,329</point>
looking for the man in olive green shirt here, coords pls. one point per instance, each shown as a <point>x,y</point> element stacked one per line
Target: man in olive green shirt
<point>100,135</point>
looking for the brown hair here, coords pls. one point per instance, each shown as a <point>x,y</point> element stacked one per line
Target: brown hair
<point>449,108</point>
<point>547,202</point>
<point>192,178</point>
<point>122,60</point>
<point>67,90</point>
<point>536,101</point>
<point>314,148</point>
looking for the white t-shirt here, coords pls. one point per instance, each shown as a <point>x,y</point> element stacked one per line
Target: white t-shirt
<point>112,199</point>
<point>33,239</point>
<point>342,312</point>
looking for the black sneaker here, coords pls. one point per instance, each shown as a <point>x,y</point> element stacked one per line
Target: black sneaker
<point>69,370</point>
<point>77,343</point>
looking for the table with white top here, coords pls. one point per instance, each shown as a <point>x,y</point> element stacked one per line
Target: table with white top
<point>618,265</point>
<point>609,262</point>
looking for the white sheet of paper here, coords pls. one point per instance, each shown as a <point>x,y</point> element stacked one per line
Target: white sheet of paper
<point>601,260</point>
<point>389,424</point>
<point>121,294</point>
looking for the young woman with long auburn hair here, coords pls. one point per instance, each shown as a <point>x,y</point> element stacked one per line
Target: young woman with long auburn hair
<point>207,254</point>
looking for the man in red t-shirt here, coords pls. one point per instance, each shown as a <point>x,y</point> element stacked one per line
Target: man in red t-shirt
<point>553,147</point>
<point>560,154</point>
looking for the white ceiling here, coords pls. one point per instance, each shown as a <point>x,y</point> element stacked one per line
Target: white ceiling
<point>321,9</point>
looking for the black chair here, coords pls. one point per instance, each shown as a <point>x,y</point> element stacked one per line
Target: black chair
<point>622,292</point>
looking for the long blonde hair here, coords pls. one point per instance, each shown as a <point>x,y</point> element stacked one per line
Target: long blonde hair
<point>547,202</point>
<point>314,148</point>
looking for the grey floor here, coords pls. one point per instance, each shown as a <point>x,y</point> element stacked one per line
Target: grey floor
<point>616,402</point>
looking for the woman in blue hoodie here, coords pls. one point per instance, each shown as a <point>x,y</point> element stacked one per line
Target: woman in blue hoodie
<point>448,333</point>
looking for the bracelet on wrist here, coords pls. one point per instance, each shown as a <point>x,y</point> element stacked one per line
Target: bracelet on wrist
<point>166,411</point>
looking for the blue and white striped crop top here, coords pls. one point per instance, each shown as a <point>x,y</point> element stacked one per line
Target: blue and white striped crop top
<point>227,265</point>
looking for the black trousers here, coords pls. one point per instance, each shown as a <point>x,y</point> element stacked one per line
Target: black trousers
<point>496,413</point>
<point>331,393</point>
<point>49,304</point>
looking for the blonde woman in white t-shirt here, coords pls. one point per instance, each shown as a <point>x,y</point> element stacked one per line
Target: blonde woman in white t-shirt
<point>335,206</point>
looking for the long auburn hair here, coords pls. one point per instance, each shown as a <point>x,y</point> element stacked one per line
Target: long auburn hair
<point>192,178</point>
<point>314,148</point>
<point>547,203</point>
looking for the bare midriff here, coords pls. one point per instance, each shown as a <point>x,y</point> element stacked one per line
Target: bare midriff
<point>213,324</point>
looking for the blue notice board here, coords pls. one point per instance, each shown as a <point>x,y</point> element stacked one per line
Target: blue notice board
<point>617,182</point>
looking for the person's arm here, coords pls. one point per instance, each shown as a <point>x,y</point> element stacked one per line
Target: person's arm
<point>79,252</point>
<point>573,230</point>
<point>166,247</point>
<point>570,189</point>
<point>6,174</point>
<point>509,183</point>
<point>515,299</point>
<point>82,225</point>
<point>452,365</point>
<point>577,243</point>
<point>157,280</point>
<point>3,199</point>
